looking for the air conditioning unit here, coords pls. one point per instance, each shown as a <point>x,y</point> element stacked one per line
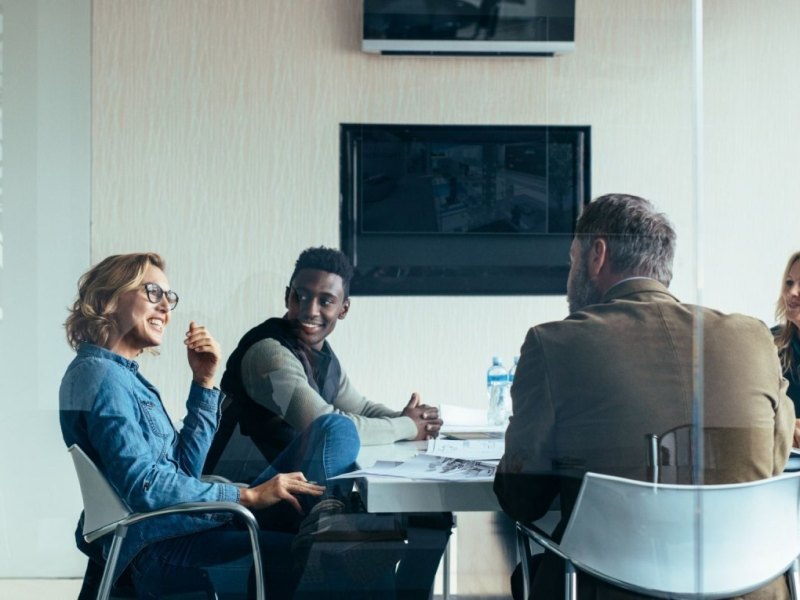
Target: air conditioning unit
<point>469,27</point>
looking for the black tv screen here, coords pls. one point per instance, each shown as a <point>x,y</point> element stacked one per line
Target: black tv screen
<point>461,209</point>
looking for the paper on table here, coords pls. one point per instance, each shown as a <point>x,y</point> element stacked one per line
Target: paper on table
<point>459,419</point>
<point>460,416</point>
<point>467,449</point>
<point>424,466</point>
<point>382,467</point>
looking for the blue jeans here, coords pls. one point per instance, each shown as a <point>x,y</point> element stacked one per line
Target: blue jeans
<point>328,447</point>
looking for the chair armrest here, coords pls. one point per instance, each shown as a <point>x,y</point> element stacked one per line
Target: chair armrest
<point>121,527</point>
<point>185,508</point>
<point>542,538</point>
<point>194,507</point>
<point>215,479</point>
<point>221,479</point>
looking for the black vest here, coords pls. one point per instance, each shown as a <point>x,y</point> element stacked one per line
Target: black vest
<point>322,369</point>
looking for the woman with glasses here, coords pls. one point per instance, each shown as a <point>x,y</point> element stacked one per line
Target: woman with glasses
<point>787,333</point>
<point>116,416</point>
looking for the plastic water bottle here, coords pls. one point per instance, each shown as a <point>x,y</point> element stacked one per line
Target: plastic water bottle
<point>497,387</point>
<point>496,374</point>
<point>499,405</point>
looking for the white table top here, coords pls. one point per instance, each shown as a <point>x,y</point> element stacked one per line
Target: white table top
<point>385,494</point>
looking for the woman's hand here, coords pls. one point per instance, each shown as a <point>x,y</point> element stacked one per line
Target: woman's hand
<point>284,486</point>
<point>204,354</point>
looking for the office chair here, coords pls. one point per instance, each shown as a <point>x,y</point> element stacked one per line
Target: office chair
<point>105,512</point>
<point>678,541</point>
<point>674,456</point>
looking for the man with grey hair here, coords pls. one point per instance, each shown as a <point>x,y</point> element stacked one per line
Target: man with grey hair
<point>589,388</point>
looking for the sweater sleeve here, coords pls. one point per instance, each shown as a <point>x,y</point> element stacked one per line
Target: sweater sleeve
<point>274,377</point>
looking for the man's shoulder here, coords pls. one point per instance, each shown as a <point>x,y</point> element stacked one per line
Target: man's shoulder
<point>618,315</point>
<point>723,319</point>
<point>274,327</point>
<point>743,328</point>
<point>591,317</point>
<point>270,346</point>
<point>269,353</point>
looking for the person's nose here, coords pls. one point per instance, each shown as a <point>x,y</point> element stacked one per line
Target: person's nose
<point>163,304</point>
<point>794,291</point>
<point>311,308</point>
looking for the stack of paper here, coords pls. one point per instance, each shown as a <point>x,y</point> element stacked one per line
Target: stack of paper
<point>448,460</point>
<point>425,466</point>
<point>467,423</point>
<point>467,449</point>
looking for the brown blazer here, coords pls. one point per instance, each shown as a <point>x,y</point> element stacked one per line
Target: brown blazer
<point>589,388</point>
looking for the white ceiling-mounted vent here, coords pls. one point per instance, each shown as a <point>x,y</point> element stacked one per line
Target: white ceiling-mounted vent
<point>469,27</point>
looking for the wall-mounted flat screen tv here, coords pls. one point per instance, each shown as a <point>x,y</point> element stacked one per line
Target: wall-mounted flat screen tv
<point>461,209</point>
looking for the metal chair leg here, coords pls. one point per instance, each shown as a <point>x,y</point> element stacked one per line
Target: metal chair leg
<point>446,572</point>
<point>524,555</point>
<point>258,568</point>
<point>794,580</point>
<point>111,563</point>
<point>570,582</point>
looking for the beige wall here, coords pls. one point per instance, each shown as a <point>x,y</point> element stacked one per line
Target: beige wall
<point>752,132</point>
<point>215,142</point>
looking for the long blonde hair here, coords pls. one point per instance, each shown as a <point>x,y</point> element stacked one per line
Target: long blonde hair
<point>91,317</point>
<point>788,330</point>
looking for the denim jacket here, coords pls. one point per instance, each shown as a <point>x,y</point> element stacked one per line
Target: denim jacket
<point>116,416</point>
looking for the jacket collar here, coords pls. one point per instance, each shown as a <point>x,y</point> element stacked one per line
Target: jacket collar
<point>87,349</point>
<point>629,288</point>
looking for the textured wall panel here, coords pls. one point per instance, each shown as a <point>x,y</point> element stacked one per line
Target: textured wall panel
<point>216,143</point>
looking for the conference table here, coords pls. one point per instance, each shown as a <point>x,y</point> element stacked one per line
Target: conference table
<point>393,494</point>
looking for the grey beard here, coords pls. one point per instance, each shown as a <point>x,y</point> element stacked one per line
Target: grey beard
<point>583,292</point>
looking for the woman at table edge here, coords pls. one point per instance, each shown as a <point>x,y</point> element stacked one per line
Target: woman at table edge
<point>116,416</point>
<point>787,333</point>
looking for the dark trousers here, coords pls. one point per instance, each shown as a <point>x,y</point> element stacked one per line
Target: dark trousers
<point>178,564</point>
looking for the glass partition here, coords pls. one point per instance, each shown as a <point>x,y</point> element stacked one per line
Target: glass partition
<point>633,79</point>
<point>212,137</point>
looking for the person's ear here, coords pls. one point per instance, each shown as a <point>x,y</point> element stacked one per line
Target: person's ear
<point>286,297</point>
<point>598,257</point>
<point>345,308</point>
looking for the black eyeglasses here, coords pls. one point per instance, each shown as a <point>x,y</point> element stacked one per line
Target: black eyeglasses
<point>155,294</point>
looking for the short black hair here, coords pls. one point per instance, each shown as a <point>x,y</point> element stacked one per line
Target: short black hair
<point>325,259</point>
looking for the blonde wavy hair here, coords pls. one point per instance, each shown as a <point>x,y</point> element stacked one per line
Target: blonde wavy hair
<point>91,317</point>
<point>788,330</point>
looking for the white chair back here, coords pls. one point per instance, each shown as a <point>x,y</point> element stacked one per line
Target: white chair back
<point>685,540</point>
<point>102,506</point>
